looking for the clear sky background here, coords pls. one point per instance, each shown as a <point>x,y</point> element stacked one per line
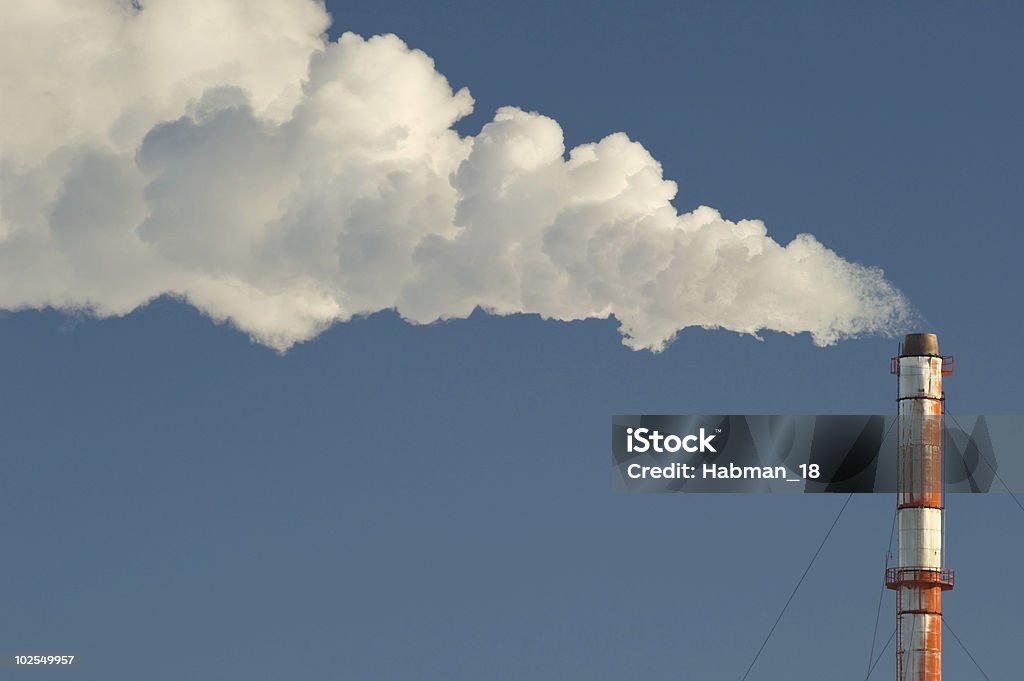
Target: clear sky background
<point>434,502</point>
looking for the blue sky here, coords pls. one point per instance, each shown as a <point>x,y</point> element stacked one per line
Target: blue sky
<point>389,501</point>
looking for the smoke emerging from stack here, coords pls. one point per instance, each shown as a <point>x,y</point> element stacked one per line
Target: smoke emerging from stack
<point>224,152</point>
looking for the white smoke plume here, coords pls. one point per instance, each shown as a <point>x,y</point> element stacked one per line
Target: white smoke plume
<point>223,151</point>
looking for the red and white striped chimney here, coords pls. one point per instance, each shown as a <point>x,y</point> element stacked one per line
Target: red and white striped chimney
<point>919,576</point>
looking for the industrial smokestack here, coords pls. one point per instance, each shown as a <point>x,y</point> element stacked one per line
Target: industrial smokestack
<point>920,575</point>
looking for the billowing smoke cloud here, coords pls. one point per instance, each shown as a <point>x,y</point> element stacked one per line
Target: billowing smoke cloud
<point>224,152</point>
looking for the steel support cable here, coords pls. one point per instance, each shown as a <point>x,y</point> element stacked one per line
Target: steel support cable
<point>965,649</point>
<point>888,551</point>
<point>881,597</point>
<point>797,587</point>
<point>880,655</point>
<point>1019,505</point>
<point>987,463</point>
